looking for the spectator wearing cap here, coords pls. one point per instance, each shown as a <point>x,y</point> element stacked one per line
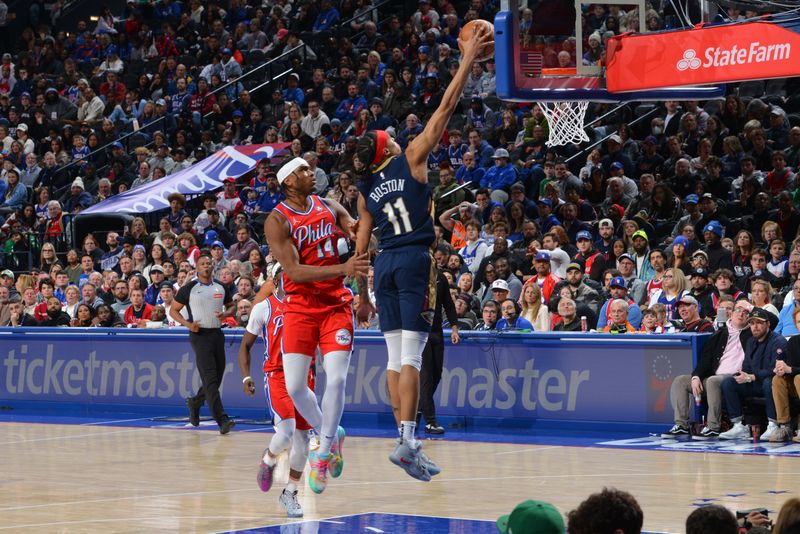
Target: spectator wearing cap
<point>649,161</point>
<point>692,214</point>
<point>704,293</point>
<point>545,279</point>
<point>216,230</point>
<point>586,297</point>
<point>379,120</point>
<point>228,201</point>
<point>688,310</point>
<point>594,262</point>
<point>619,291</point>
<point>272,196</point>
<point>641,255</point>
<point>151,294</point>
<point>761,352</point>
<point>499,291</point>
<point>78,198</point>
<point>627,270</point>
<point>480,117</point>
<point>546,219</point>
<point>218,259</point>
<point>710,210</point>
<point>616,155</point>
<point>618,311</point>
<point>162,159</point>
<point>293,93</point>
<point>629,187</point>
<point>778,132</point>
<point>718,256</point>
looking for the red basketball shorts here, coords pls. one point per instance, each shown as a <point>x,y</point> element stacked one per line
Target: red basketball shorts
<point>309,321</point>
<point>279,401</point>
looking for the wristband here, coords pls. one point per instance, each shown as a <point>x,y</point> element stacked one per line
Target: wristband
<point>245,379</point>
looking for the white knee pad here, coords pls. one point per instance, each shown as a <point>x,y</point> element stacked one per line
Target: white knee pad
<point>299,453</point>
<point>394,347</point>
<point>412,347</point>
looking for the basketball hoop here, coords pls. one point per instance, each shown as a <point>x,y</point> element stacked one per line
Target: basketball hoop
<point>565,120</point>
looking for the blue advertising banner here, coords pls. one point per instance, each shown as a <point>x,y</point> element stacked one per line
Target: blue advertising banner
<point>593,377</point>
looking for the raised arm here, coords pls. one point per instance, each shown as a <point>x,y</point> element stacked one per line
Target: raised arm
<point>422,145</point>
<point>282,247</point>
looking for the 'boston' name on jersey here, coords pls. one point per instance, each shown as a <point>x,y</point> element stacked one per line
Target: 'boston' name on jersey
<point>384,188</point>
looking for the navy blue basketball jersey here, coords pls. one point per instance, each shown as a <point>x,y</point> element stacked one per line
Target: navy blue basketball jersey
<point>399,205</point>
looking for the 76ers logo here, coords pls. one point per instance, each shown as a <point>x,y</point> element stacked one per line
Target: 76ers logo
<point>343,337</point>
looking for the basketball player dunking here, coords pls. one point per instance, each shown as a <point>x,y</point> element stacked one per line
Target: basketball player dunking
<point>306,235</point>
<point>395,199</point>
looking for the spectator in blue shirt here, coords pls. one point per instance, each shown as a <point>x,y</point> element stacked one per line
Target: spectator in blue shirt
<point>413,127</point>
<point>328,16</point>
<point>293,93</point>
<point>350,107</point>
<point>511,317</point>
<point>500,177</point>
<point>786,325</point>
<point>469,172</point>
<point>480,148</point>
<point>546,219</point>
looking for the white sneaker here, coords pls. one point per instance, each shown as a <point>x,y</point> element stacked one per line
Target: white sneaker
<point>772,427</point>
<point>738,431</point>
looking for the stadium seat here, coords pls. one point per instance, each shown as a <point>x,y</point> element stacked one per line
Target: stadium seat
<point>752,89</point>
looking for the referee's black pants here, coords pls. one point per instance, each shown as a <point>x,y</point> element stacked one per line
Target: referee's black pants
<point>209,350</point>
<point>430,375</point>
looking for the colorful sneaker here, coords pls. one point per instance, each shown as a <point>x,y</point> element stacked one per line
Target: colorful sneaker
<point>318,477</point>
<point>409,459</point>
<point>337,460</point>
<point>290,504</point>
<point>677,431</point>
<point>707,433</point>
<point>264,477</point>
<point>772,429</point>
<point>784,433</point>
<point>737,431</point>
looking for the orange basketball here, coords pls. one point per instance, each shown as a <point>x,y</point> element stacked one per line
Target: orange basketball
<point>466,34</point>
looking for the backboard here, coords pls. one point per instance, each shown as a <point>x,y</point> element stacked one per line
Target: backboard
<point>554,50</point>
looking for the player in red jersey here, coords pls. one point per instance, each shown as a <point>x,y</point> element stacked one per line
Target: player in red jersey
<point>266,321</point>
<point>307,236</point>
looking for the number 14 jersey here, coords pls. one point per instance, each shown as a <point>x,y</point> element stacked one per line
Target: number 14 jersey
<point>399,205</point>
<point>316,236</point>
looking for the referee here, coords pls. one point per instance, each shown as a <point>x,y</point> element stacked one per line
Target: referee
<point>207,302</point>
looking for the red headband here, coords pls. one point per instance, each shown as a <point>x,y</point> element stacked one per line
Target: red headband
<point>383,138</point>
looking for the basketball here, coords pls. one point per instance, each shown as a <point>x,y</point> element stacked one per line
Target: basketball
<point>466,34</point>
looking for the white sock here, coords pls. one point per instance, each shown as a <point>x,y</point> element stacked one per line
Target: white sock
<point>408,434</point>
<point>269,459</point>
<point>291,487</point>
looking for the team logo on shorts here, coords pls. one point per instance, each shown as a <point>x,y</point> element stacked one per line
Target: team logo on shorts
<point>343,337</point>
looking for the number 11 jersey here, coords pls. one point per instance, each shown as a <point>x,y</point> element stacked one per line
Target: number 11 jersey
<point>399,205</point>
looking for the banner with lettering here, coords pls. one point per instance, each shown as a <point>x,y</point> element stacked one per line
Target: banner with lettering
<point>521,376</point>
<point>203,176</point>
<point>703,55</point>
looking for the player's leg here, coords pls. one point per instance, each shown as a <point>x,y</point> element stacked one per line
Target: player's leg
<point>298,347</point>
<point>391,325</point>
<point>283,419</point>
<point>297,461</point>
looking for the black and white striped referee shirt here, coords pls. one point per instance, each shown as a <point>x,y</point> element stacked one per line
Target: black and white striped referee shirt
<point>204,301</point>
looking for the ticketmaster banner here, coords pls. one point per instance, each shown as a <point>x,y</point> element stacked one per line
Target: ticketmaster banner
<point>527,376</point>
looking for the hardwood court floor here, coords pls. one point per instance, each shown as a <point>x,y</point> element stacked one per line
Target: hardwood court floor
<point>68,478</point>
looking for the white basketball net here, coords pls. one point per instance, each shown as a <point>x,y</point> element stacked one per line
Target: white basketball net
<point>565,120</point>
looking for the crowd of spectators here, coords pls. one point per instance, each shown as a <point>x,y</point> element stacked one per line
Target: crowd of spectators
<point>615,511</point>
<point>649,231</point>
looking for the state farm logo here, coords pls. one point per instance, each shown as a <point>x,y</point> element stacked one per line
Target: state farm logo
<point>689,61</point>
<point>718,56</point>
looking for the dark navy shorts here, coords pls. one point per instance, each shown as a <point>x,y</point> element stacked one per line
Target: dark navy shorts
<point>405,287</point>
